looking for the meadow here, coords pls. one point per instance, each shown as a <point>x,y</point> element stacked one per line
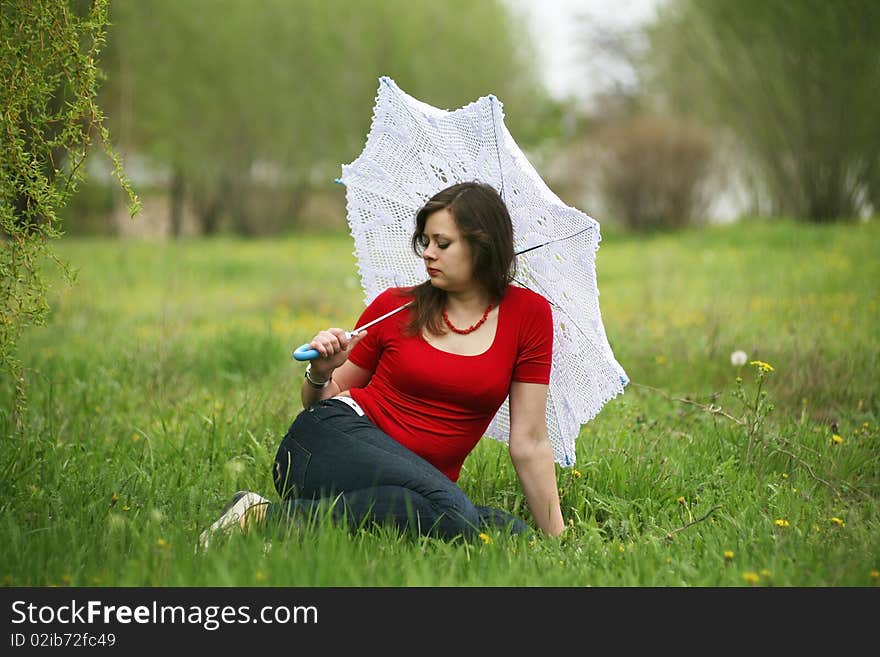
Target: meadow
<point>163,383</point>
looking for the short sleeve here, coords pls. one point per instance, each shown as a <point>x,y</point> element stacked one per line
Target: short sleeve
<point>535,350</point>
<point>367,352</point>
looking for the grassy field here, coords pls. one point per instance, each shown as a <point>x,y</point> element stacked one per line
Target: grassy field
<point>163,383</point>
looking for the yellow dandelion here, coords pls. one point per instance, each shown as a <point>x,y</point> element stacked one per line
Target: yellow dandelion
<point>761,365</point>
<point>681,499</point>
<point>7,580</point>
<point>875,574</point>
<point>766,573</point>
<point>126,507</point>
<point>114,499</point>
<point>750,577</point>
<point>785,475</point>
<point>162,543</point>
<point>782,522</point>
<point>135,437</point>
<point>836,439</point>
<point>728,554</point>
<point>98,410</point>
<point>571,522</point>
<point>260,576</point>
<point>485,538</point>
<point>576,474</point>
<point>837,521</point>
<point>660,359</point>
<point>621,549</point>
<point>65,579</point>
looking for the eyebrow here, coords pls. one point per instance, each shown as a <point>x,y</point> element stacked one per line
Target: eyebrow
<point>438,235</point>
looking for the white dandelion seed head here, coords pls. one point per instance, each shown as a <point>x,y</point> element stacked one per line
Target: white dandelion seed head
<point>738,357</point>
<point>234,467</point>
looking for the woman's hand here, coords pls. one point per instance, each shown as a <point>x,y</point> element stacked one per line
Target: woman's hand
<point>334,347</point>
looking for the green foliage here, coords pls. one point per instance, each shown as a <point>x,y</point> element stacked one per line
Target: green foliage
<point>653,171</point>
<point>48,84</point>
<point>164,383</point>
<point>798,85</point>
<point>241,101</point>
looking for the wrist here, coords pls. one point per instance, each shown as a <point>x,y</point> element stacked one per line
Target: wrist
<point>317,379</point>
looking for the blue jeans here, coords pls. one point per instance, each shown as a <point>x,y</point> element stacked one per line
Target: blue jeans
<point>331,456</point>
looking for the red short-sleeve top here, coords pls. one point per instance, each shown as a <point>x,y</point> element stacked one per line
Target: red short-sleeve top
<point>439,404</point>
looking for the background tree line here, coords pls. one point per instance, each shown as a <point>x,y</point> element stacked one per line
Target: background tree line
<point>778,98</point>
<point>237,114</point>
<point>246,108</point>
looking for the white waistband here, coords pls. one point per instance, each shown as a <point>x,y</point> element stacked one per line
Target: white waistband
<point>351,402</point>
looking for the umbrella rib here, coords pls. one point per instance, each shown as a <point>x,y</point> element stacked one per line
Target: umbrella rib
<point>549,300</point>
<point>558,239</point>
<point>394,88</point>
<point>555,305</point>
<point>497,149</point>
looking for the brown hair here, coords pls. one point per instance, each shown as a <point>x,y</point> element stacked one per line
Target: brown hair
<point>484,222</point>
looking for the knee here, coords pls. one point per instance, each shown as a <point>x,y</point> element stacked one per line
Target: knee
<point>457,517</point>
<point>291,460</point>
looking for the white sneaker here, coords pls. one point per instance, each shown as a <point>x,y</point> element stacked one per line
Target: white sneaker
<point>231,516</point>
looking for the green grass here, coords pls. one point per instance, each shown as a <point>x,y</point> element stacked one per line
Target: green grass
<point>163,383</point>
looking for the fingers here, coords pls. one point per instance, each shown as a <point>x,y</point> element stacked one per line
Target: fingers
<point>328,343</point>
<point>333,341</point>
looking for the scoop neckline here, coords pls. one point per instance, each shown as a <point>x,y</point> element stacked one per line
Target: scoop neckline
<point>482,353</point>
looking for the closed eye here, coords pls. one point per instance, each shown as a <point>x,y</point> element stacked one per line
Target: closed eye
<point>424,241</point>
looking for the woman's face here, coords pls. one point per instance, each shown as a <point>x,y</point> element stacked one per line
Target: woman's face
<point>447,254</point>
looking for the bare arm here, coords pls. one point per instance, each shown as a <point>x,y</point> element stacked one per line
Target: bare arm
<point>532,455</point>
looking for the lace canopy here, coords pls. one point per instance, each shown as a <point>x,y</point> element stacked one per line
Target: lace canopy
<point>414,150</point>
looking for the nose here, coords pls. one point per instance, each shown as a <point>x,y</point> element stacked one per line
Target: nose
<point>429,254</point>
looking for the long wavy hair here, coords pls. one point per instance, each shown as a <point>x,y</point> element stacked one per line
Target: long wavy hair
<point>484,222</point>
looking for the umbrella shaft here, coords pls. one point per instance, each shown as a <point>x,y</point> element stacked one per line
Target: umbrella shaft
<point>378,319</point>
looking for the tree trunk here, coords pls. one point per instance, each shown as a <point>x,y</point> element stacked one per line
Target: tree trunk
<point>176,201</point>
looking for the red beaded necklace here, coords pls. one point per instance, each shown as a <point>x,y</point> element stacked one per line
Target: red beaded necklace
<point>470,329</point>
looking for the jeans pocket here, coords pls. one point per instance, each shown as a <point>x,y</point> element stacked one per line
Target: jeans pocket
<point>291,465</point>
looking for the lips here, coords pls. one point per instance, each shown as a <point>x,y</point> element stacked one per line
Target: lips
<point>432,271</point>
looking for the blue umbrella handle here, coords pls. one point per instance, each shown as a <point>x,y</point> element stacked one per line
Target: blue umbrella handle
<point>306,353</point>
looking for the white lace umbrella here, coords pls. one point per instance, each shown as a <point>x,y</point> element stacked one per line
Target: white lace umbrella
<point>413,151</point>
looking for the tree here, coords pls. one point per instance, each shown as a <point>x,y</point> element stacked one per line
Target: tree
<point>48,85</point>
<point>797,83</point>
<point>245,101</point>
